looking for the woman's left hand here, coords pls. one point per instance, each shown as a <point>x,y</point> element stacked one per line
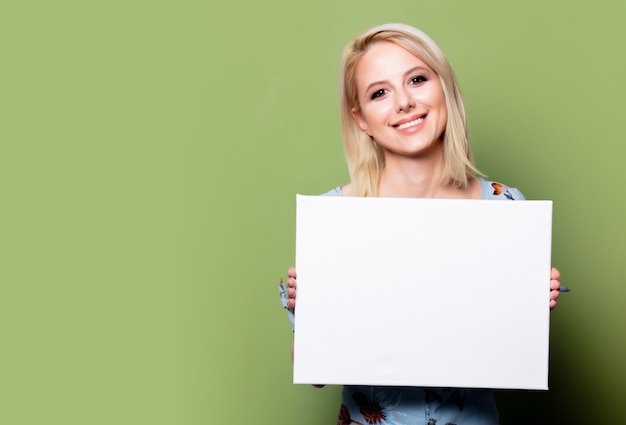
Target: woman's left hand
<point>555,275</point>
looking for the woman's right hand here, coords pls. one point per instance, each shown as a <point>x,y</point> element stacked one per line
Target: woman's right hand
<point>291,289</point>
<point>291,300</point>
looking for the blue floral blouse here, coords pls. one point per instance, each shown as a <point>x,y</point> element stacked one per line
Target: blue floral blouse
<point>373,405</point>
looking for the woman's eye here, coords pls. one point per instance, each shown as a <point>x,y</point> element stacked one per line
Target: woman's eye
<point>418,79</point>
<point>378,93</point>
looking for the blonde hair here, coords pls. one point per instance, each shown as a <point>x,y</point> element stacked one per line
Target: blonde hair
<point>365,158</point>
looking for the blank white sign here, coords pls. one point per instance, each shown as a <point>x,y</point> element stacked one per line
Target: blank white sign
<point>422,292</point>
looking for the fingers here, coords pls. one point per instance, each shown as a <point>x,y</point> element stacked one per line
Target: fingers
<point>552,304</point>
<point>555,286</point>
<point>554,295</point>
<point>291,289</point>
<point>291,283</point>
<point>291,292</point>
<point>292,272</point>
<point>554,274</point>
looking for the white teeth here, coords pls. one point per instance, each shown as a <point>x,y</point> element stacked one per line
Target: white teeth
<point>410,123</point>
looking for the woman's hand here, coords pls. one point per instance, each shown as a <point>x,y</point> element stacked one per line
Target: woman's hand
<point>555,286</point>
<point>291,301</point>
<point>291,289</point>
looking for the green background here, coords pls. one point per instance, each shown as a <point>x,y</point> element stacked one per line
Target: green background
<point>150,153</point>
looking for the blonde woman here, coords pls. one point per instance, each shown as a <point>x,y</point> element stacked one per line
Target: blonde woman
<point>405,135</point>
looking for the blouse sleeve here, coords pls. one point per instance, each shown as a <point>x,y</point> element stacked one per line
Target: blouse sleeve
<point>283,299</point>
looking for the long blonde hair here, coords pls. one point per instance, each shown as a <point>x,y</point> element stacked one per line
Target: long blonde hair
<point>365,158</point>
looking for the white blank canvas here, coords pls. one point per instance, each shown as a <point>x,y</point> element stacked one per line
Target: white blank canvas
<point>422,292</point>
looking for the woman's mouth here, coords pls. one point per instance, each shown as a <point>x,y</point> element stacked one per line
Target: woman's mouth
<point>410,124</point>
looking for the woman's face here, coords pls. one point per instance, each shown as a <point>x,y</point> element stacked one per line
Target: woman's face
<point>403,106</point>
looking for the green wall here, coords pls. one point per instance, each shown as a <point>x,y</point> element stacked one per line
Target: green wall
<point>150,153</point>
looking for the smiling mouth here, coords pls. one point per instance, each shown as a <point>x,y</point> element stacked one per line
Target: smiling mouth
<point>410,124</point>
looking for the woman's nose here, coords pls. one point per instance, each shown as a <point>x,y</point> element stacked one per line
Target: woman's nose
<point>405,101</point>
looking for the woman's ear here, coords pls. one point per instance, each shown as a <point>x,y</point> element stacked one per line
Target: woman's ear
<point>361,122</point>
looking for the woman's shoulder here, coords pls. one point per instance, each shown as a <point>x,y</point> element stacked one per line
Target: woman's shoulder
<point>495,190</point>
<point>333,192</point>
<point>339,191</point>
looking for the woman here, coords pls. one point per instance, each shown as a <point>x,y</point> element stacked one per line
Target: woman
<point>405,135</point>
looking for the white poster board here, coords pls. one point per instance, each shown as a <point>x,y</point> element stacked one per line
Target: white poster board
<point>422,292</point>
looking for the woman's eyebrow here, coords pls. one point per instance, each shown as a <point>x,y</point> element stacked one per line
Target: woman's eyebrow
<point>375,83</point>
<point>417,68</point>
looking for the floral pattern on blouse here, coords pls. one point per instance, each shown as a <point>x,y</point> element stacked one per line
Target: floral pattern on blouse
<point>500,189</point>
<point>370,405</point>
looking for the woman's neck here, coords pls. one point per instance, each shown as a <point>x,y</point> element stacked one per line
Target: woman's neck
<point>405,177</point>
